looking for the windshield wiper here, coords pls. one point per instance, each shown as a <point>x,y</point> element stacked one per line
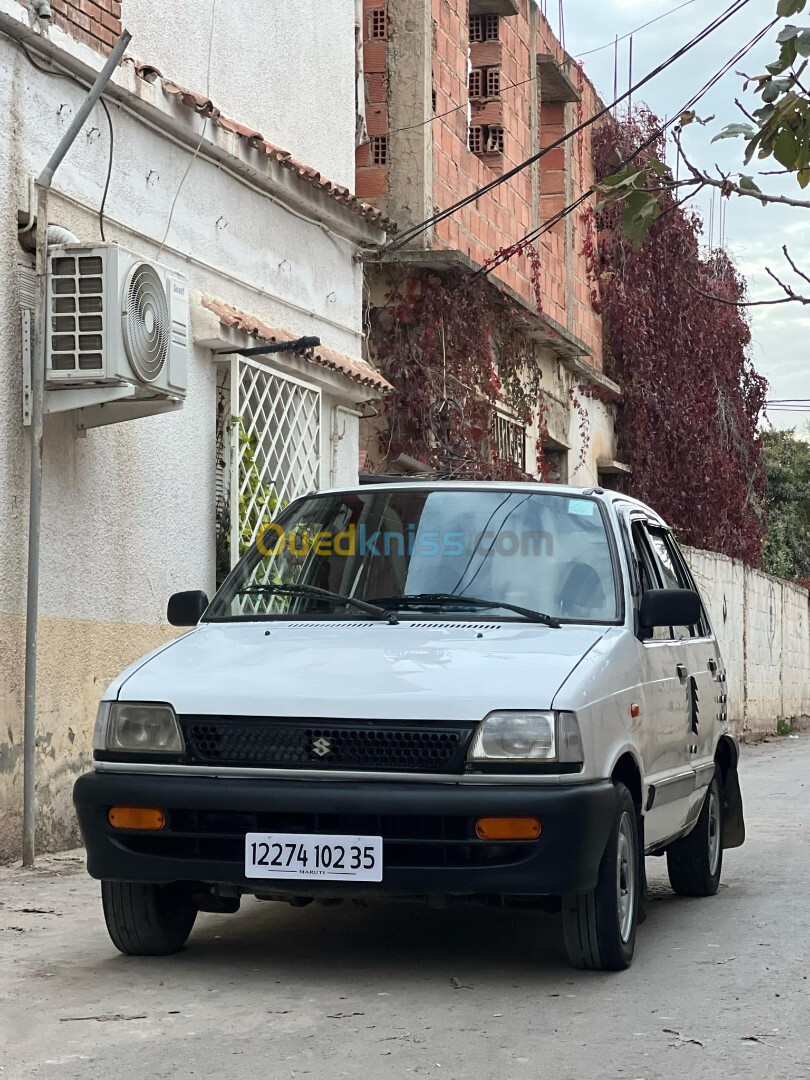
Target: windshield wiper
<point>452,599</point>
<point>320,594</point>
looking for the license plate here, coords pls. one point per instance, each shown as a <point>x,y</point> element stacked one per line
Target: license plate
<point>308,855</point>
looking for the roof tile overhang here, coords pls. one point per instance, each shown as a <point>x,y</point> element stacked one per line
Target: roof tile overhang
<point>357,370</point>
<point>205,107</point>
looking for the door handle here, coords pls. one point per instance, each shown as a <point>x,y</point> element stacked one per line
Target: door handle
<point>681,670</point>
<point>712,666</point>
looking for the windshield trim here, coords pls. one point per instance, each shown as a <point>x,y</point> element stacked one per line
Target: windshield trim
<point>432,616</point>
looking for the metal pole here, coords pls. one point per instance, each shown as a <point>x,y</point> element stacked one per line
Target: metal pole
<point>35,485</point>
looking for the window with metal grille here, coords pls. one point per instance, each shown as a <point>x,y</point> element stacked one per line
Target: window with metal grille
<point>493,82</point>
<point>476,139</point>
<point>494,139</point>
<point>484,28</point>
<point>475,83</point>
<point>379,149</point>
<point>510,440</point>
<point>377,23</point>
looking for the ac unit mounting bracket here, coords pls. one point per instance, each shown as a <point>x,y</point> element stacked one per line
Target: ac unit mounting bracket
<point>97,406</point>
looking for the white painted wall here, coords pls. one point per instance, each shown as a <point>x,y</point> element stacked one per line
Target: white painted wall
<point>259,51</point>
<point>763,626</point>
<point>128,511</point>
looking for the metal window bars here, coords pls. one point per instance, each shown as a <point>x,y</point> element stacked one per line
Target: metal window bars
<point>510,440</point>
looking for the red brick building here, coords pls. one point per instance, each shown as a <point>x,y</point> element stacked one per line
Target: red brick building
<point>459,92</point>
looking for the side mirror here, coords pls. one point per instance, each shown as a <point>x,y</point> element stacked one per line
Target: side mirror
<point>186,608</point>
<point>669,607</point>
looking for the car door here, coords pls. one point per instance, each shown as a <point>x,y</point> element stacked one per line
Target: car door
<point>663,667</point>
<point>705,672</point>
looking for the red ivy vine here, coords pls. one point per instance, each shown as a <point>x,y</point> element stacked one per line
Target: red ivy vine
<point>691,397</point>
<point>451,350</point>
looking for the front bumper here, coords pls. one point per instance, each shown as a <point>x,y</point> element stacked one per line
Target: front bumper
<point>429,842</point>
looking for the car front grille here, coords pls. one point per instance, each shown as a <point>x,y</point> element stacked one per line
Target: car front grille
<point>325,744</point>
<point>411,841</point>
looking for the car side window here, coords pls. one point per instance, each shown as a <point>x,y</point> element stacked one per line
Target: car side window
<point>674,574</point>
<point>703,628</point>
<point>649,574</point>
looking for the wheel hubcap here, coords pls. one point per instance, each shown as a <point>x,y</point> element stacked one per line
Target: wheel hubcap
<point>714,831</point>
<point>626,877</point>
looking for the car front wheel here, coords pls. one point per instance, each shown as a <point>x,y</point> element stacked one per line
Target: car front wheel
<point>145,919</point>
<point>600,926</point>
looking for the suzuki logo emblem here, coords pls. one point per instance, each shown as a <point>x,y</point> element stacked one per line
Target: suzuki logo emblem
<point>322,747</point>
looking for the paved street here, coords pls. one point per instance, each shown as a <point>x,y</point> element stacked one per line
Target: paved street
<point>719,987</point>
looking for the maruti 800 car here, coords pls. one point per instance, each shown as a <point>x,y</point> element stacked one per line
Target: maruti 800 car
<point>483,692</point>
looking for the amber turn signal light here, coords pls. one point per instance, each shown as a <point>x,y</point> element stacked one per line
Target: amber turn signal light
<point>507,828</point>
<point>136,817</point>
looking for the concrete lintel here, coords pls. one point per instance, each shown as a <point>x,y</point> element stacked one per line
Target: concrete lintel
<point>610,467</point>
<point>556,85</point>
<point>539,327</point>
<point>504,8</point>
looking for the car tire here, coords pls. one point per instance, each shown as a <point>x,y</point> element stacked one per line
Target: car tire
<point>145,919</point>
<point>600,926</point>
<point>695,862</point>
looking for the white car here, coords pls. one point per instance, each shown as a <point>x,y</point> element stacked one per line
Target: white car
<point>480,691</point>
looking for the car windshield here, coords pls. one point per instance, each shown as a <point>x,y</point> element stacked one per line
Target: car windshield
<point>440,553</point>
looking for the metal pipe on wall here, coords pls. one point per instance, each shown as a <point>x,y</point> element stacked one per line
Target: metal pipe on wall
<point>43,186</point>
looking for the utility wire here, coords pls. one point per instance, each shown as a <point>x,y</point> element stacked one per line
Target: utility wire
<point>416,230</point>
<point>551,222</point>
<point>79,82</point>
<point>534,78</point>
<point>184,177</point>
<point>630,33</point>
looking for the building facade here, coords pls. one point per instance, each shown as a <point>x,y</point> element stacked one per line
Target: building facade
<point>458,93</point>
<point>198,170</point>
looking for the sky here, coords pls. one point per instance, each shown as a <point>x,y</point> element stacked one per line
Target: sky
<point>754,234</point>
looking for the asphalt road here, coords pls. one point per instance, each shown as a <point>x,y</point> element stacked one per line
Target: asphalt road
<point>719,987</point>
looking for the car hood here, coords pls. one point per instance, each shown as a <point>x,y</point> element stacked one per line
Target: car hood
<point>373,670</point>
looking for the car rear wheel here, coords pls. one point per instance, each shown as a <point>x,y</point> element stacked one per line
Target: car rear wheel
<point>148,920</point>
<point>695,862</point>
<point>600,926</point>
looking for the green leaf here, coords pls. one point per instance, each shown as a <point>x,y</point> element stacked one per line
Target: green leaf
<point>641,210</point>
<point>734,131</point>
<point>747,184</point>
<point>770,92</point>
<point>786,8</point>
<point>788,34</point>
<point>786,149</point>
<point>803,43</point>
<point>803,176</point>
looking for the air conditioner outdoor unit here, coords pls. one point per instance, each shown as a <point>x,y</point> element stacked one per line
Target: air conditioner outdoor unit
<point>115,318</point>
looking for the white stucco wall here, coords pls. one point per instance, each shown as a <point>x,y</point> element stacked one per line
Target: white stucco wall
<point>764,632</point>
<point>258,52</point>
<point>128,510</point>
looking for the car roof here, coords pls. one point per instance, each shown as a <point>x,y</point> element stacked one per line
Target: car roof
<point>530,486</point>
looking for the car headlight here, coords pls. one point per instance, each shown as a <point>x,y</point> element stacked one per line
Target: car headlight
<point>527,737</point>
<point>137,728</point>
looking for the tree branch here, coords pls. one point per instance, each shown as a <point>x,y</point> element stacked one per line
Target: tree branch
<point>748,303</point>
<point>791,295</point>
<point>728,187</point>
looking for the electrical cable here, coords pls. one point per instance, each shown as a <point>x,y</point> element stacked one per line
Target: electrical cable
<point>411,233</point>
<point>631,33</point>
<point>109,171</point>
<point>551,222</point>
<point>184,177</point>
<point>78,82</point>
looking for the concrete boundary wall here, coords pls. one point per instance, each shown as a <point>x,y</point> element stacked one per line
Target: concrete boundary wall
<point>763,626</point>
